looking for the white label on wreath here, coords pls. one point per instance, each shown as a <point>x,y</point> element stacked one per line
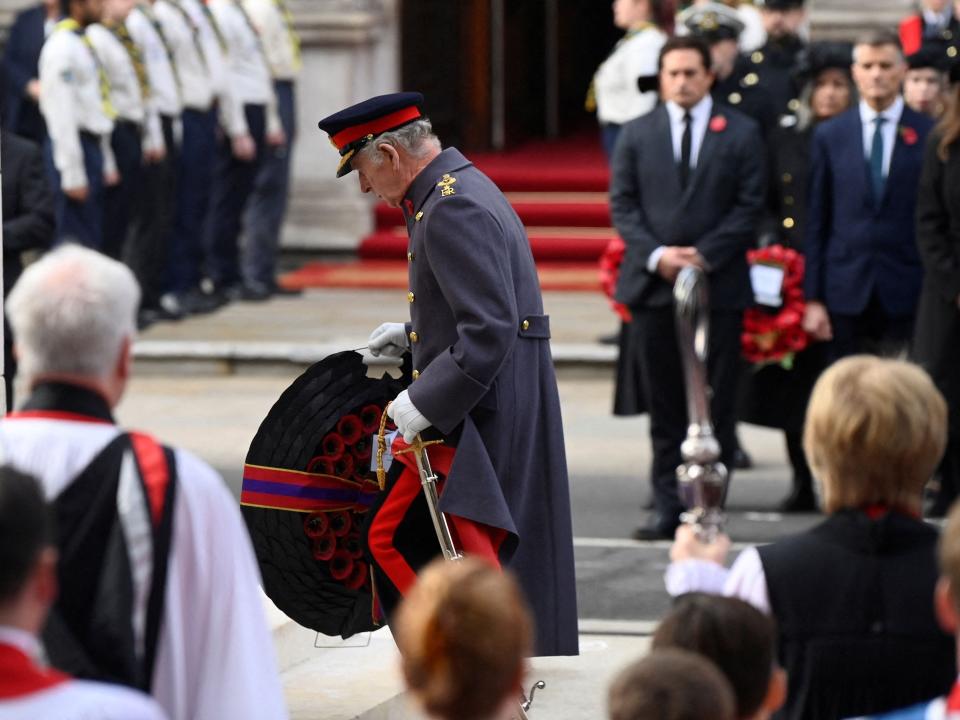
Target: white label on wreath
<point>767,282</point>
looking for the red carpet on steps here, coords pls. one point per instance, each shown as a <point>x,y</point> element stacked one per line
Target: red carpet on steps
<point>559,190</point>
<point>392,275</point>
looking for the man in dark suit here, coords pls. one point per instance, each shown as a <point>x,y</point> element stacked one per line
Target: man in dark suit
<point>27,221</point>
<point>863,271</point>
<point>687,188</point>
<point>21,57</point>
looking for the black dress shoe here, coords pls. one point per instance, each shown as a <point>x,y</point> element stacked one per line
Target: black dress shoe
<point>801,500</point>
<point>255,292</point>
<point>653,532</point>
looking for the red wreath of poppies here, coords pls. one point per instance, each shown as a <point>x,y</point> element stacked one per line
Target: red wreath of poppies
<point>776,337</point>
<point>334,535</point>
<point>610,263</point>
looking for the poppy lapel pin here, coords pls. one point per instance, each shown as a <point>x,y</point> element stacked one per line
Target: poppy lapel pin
<point>718,123</point>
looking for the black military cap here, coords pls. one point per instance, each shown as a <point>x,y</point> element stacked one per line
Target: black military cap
<point>932,54</point>
<point>352,128</point>
<point>823,55</point>
<point>780,4</point>
<point>713,22</point>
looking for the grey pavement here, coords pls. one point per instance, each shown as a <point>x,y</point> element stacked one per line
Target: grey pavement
<point>206,384</point>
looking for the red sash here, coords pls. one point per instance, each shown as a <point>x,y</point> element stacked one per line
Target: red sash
<point>20,676</point>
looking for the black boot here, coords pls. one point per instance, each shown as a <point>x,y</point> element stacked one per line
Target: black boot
<point>801,499</point>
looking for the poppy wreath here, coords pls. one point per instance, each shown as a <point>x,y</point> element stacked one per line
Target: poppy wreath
<point>777,335</point>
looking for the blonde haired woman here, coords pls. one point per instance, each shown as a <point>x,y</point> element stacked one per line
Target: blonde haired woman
<point>851,596</point>
<point>464,633</point>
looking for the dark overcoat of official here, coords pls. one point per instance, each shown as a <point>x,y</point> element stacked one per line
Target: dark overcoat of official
<point>937,339</point>
<point>484,377</point>
<point>717,213</point>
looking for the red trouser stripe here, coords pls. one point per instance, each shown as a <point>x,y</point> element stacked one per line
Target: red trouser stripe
<point>471,538</point>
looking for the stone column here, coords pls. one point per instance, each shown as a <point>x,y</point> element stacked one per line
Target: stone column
<point>351,52</point>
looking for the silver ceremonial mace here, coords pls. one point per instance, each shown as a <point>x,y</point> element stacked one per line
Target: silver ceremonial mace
<point>702,478</point>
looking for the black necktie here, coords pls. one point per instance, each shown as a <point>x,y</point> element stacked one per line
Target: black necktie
<point>685,143</point>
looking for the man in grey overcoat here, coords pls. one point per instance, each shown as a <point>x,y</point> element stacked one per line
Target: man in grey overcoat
<point>483,376</point>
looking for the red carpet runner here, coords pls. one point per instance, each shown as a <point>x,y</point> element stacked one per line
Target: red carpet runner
<point>559,190</point>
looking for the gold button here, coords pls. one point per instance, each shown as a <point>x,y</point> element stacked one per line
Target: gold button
<point>788,223</point>
<point>410,297</point>
<point>952,51</point>
<point>947,35</point>
<point>757,57</point>
<point>788,200</point>
<point>416,374</point>
<point>751,79</point>
<point>793,105</point>
<point>734,98</point>
<point>410,257</point>
<point>418,216</point>
<point>414,337</point>
<point>525,325</point>
<point>787,178</point>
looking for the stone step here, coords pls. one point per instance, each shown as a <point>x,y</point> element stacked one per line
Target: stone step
<point>845,19</point>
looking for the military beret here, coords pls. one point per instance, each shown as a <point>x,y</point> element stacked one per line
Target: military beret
<point>713,22</point>
<point>352,128</point>
<point>823,55</point>
<point>780,4</point>
<point>932,54</point>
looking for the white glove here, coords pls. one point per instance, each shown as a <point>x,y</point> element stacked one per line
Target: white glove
<point>390,339</point>
<point>409,420</point>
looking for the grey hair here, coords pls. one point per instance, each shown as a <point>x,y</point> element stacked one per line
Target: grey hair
<point>415,139</point>
<point>875,39</point>
<point>71,312</point>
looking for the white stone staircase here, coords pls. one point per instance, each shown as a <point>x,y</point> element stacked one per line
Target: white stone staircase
<point>845,19</point>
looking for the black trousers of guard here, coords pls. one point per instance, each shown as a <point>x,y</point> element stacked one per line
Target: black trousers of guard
<point>661,373</point>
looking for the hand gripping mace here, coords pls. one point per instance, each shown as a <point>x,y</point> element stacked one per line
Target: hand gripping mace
<point>428,481</point>
<point>702,478</point>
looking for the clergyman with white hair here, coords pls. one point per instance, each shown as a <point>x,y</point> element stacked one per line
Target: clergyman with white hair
<point>158,582</point>
<point>483,377</point>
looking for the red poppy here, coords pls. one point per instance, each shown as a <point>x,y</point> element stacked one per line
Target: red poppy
<point>909,135</point>
<point>718,123</point>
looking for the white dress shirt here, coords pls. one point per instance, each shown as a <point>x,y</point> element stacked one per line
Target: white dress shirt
<point>247,73</point>
<point>183,36</point>
<point>889,129</point>
<point>699,121</point>
<point>72,699</point>
<point>615,82</point>
<point>279,42</point>
<point>938,21</point>
<point>125,91</point>
<point>163,79</point>
<point>745,579</point>
<point>215,655</point>
<point>71,102</point>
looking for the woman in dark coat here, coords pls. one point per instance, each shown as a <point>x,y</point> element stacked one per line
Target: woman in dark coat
<point>776,397</point>
<point>937,339</point>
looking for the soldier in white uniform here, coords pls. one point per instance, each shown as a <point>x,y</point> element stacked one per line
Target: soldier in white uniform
<point>268,205</point>
<point>200,68</point>
<point>76,106</point>
<point>28,582</point>
<point>149,248</point>
<point>122,61</point>
<point>252,123</point>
